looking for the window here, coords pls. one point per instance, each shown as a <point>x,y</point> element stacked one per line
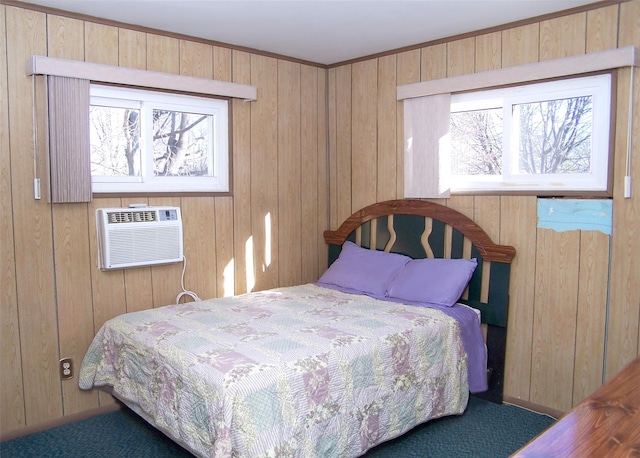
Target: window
<point>550,137</point>
<point>144,141</point>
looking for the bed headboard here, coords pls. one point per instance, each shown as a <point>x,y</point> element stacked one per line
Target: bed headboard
<point>421,229</point>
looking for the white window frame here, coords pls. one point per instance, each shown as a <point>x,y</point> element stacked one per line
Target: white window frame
<point>599,87</point>
<point>147,182</point>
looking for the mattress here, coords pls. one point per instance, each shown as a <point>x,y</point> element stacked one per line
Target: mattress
<point>301,371</point>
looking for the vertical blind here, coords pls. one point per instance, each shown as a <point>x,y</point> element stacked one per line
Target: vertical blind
<point>426,125</point>
<point>69,155</point>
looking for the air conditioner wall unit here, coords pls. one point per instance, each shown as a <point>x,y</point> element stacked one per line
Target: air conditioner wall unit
<point>140,236</point>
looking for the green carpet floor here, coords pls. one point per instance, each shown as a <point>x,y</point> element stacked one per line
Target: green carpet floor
<point>484,430</point>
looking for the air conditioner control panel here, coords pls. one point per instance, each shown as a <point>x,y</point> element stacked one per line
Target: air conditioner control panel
<point>168,215</point>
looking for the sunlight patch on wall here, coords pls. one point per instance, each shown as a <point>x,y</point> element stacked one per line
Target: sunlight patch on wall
<point>228,282</point>
<point>251,278</point>
<point>267,240</point>
<point>570,214</point>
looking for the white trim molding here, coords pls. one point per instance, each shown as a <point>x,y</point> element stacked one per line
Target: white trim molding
<point>556,68</point>
<point>100,73</point>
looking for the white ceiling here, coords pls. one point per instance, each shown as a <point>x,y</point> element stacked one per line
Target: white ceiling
<point>324,32</point>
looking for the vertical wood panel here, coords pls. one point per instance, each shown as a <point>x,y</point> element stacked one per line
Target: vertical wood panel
<point>461,56</point>
<point>602,28</point>
<point>592,306</point>
<point>343,145</point>
<point>487,212</point>
<point>387,138</point>
<point>518,228</point>
<point>489,52</point>
<point>243,260</point>
<point>289,239</point>
<point>555,311</point>
<point>563,36</point>
<point>73,291</point>
<point>100,43</point>
<point>12,394</point>
<point>434,62</point>
<point>132,49</point>
<point>264,167</point>
<point>323,168</point>
<point>364,157</point>
<point>196,59</point>
<point>222,64</point>
<point>223,262</point>
<point>332,143</point>
<point>199,238</point>
<point>32,228</point>
<point>520,45</point>
<point>62,37</point>
<point>463,204</point>
<point>310,162</point>
<point>224,215</point>
<point>163,54</point>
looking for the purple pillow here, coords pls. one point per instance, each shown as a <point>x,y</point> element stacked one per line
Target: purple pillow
<point>364,271</point>
<point>433,281</point>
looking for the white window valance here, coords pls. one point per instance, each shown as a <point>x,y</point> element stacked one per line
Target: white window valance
<point>100,73</point>
<point>556,68</point>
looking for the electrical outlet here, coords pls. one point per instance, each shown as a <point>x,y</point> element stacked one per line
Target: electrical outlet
<point>66,368</point>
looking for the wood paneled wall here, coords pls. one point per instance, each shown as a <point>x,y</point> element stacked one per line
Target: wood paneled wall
<point>300,166</point>
<point>575,296</point>
<point>269,233</point>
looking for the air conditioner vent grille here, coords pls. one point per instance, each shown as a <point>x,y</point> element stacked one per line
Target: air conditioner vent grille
<point>131,216</point>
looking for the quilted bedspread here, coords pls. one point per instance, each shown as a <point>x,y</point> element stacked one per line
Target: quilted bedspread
<point>302,371</point>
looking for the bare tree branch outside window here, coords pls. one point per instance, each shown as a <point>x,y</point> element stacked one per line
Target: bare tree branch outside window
<point>554,137</point>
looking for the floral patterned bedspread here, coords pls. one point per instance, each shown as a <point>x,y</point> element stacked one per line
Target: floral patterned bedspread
<point>301,371</point>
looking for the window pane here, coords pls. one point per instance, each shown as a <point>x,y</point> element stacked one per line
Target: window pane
<point>115,141</point>
<point>182,144</point>
<point>554,136</point>
<point>476,142</point>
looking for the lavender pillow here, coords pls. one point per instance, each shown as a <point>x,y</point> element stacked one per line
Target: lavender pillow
<point>364,271</point>
<point>433,281</point>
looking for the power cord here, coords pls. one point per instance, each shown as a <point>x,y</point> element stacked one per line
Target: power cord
<point>184,292</point>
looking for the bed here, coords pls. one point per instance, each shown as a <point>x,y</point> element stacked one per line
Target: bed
<point>330,368</point>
